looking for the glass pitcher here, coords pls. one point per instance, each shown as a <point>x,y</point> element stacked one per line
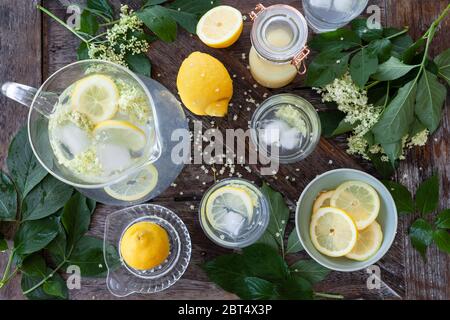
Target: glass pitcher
<point>64,149</point>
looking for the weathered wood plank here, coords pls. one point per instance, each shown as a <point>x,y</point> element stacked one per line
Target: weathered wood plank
<point>425,280</point>
<point>20,55</point>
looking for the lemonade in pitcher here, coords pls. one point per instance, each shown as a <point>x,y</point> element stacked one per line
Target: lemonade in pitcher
<point>101,127</point>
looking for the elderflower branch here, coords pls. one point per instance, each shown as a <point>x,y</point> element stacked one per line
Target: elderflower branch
<point>61,22</point>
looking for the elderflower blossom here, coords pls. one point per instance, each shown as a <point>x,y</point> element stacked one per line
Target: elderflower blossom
<point>118,40</point>
<point>419,140</point>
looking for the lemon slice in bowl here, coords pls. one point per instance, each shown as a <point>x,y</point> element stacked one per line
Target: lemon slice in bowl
<point>120,133</point>
<point>359,200</point>
<point>322,201</point>
<point>97,97</point>
<point>229,199</point>
<point>220,27</point>
<point>368,243</point>
<point>136,187</point>
<point>333,233</point>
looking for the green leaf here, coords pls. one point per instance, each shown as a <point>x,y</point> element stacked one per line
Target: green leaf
<point>139,63</point>
<point>395,121</point>
<point>279,214</point>
<point>226,270</point>
<point>264,262</point>
<point>161,24</point>
<point>3,243</point>
<point>88,23</point>
<point>102,6</point>
<point>443,220</point>
<point>295,288</point>
<point>430,100</point>
<point>427,195</point>
<point>400,43</point>
<point>365,33</point>
<point>309,270</point>
<point>34,270</point>
<point>88,255</point>
<point>382,48</point>
<point>330,121</point>
<point>341,39</point>
<point>443,62</point>
<point>8,198</point>
<point>410,53</point>
<point>269,240</point>
<point>362,66</point>
<point>82,52</point>
<point>58,246</point>
<point>421,234</point>
<point>56,286</point>
<point>187,21</point>
<point>294,244</point>
<point>76,217</point>
<point>24,168</point>
<point>402,197</point>
<point>392,69</point>
<point>326,67</point>
<point>44,200</point>
<point>393,151</point>
<point>384,168</point>
<point>253,288</point>
<point>152,2</point>
<point>442,240</point>
<point>33,236</point>
<point>197,7</point>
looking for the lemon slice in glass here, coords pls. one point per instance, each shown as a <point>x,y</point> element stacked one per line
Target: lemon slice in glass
<point>135,187</point>
<point>333,232</point>
<point>220,27</point>
<point>322,201</point>
<point>229,199</point>
<point>368,243</point>
<point>97,97</point>
<point>359,200</point>
<point>121,133</point>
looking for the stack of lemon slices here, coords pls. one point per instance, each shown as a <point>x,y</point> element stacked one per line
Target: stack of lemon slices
<point>343,223</point>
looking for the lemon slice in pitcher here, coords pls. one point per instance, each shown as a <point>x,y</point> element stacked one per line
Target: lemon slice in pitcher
<point>333,232</point>
<point>229,199</point>
<point>135,187</point>
<point>122,133</point>
<point>97,97</point>
<point>359,200</point>
<point>369,242</point>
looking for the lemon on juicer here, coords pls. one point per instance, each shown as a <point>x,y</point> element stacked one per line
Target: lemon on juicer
<point>204,85</point>
<point>144,246</point>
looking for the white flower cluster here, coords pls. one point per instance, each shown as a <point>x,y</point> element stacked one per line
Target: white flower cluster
<point>120,39</point>
<point>353,101</point>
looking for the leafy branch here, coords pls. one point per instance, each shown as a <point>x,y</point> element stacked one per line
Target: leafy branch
<point>51,219</point>
<point>422,232</point>
<point>261,272</point>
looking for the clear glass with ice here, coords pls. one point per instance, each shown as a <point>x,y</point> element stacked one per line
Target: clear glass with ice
<point>329,15</point>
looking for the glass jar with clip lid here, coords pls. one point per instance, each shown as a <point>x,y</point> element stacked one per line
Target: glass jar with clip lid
<point>279,50</point>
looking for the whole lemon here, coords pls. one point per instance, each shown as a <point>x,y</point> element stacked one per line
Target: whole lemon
<point>205,86</point>
<point>144,246</point>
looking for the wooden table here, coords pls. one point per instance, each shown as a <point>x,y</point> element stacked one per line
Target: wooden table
<point>32,47</point>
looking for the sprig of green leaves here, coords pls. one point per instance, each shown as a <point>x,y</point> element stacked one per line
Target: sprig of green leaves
<point>422,232</point>
<point>260,271</point>
<point>52,221</point>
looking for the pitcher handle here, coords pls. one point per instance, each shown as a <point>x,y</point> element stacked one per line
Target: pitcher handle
<point>25,95</point>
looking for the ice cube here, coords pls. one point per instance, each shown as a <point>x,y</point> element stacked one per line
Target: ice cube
<point>113,157</point>
<point>73,139</point>
<point>343,5</point>
<point>231,223</point>
<point>324,4</point>
<point>272,132</point>
<point>290,139</point>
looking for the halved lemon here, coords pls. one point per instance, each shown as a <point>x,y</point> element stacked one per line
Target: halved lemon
<point>135,187</point>
<point>121,133</point>
<point>359,200</point>
<point>333,232</point>
<point>220,27</point>
<point>322,201</point>
<point>97,97</point>
<point>368,243</point>
<point>229,199</point>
